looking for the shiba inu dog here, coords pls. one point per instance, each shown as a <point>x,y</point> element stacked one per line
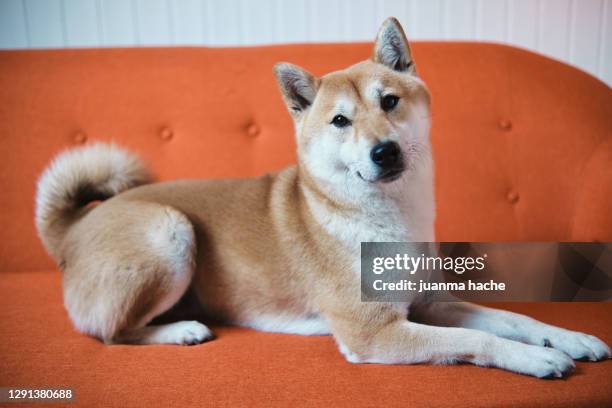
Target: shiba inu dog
<point>281,252</point>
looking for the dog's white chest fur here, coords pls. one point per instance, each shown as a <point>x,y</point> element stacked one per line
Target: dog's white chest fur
<point>403,215</point>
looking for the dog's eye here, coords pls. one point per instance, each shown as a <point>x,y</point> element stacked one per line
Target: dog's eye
<point>388,102</point>
<point>340,121</point>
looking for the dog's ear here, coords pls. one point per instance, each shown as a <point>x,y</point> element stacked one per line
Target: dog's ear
<point>392,49</point>
<point>297,86</point>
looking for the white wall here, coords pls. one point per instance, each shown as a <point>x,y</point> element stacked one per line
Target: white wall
<point>575,31</point>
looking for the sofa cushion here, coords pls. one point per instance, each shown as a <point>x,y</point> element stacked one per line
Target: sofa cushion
<point>39,347</point>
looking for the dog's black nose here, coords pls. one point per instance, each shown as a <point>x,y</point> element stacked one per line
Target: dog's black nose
<point>386,154</point>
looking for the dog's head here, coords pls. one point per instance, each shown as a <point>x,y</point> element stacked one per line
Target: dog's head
<point>367,124</point>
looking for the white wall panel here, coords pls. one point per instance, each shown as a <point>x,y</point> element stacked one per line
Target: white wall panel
<point>428,22</point>
<point>188,21</point>
<point>46,23</point>
<point>326,21</point>
<point>493,20</point>
<point>154,22</point>
<point>585,30</point>
<point>258,23</point>
<point>13,27</point>
<point>118,25</point>
<point>81,23</point>
<point>225,18</point>
<point>361,19</point>
<point>523,18</point>
<point>604,67</point>
<point>459,20</point>
<point>292,20</point>
<point>554,33</point>
<point>575,31</point>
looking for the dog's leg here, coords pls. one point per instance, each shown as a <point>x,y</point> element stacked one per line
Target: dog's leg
<point>372,334</point>
<point>130,266</point>
<point>510,325</point>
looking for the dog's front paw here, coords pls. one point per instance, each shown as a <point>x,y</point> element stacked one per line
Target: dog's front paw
<point>579,346</point>
<point>537,361</point>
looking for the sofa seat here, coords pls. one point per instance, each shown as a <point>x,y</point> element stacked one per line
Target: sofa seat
<point>39,347</point>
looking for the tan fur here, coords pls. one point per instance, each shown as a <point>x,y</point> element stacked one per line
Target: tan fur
<point>279,249</point>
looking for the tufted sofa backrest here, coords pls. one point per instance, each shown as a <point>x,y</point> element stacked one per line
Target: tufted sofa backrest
<point>522,143</point>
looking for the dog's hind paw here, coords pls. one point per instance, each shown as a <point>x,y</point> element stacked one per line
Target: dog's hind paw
<point>189,333</point>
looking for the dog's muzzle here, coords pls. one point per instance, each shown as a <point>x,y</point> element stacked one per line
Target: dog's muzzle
<point>388,157</point>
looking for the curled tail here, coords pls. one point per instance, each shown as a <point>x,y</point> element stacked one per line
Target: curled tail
<point>77,177</point>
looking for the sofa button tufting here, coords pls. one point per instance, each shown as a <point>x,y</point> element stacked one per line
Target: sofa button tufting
<point>166,134</point>
<point>80,137</point>
<point>505,124</point>
<point>513,197</point>
<point>253,130</point>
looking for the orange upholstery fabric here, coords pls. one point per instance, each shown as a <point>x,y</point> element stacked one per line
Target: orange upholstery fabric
<point>522,147</point>
<point>522,143</point>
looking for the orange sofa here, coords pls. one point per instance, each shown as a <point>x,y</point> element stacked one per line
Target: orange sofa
<point>523,151</point>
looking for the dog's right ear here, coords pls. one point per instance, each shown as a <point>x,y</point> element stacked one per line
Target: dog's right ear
<point>297,86</point>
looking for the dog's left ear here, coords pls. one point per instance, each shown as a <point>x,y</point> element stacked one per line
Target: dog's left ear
<point>392,49</point>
